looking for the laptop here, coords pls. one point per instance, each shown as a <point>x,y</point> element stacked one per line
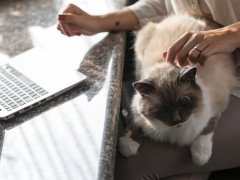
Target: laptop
<point>33,78</point>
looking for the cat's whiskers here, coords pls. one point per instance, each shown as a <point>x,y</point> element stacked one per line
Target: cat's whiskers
<point>159,132</point>
<point>148,131</point>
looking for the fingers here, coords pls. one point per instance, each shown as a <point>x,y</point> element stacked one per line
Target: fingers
<point>176,46</point>
<point>190,45</point>
<point>76,30</point>
<point>68,24</point>
<point>210,50</point>
<point>73,30</point>
<point>197,52</point>
<point>71,8</point>
<point>69,31</point>
<point>194,54</point>
<point>63,26</point>
<point>197,47</point>
<point>68,21</point>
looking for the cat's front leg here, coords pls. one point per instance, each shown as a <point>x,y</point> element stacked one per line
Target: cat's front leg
<point>129,143</point>
<point>201,147</point>
<point>127,146</point>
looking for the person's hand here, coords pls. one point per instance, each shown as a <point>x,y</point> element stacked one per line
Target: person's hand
<point>75,21</point>
<point>196,47</point>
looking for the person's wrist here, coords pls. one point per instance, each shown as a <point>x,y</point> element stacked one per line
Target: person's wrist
<point>94,24</point>
<point>102,23</point>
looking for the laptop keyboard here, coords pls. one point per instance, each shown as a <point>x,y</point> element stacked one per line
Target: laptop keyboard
<point>16,89</point>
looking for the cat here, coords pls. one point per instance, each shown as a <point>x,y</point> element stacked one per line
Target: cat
<point>179,105</point>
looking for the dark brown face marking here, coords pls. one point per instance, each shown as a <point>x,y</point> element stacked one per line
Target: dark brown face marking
<point>210,126</point>
<point>174,96</point>
<point>171,103</point>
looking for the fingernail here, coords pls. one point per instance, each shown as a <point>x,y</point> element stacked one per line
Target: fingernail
<point>164,55</point>
<point>61,17</point>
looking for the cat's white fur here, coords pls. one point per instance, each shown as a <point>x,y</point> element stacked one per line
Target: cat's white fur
<point>201,149</point>
<point>215,78</point>
<point>183,135</point>
<point>127,145</point>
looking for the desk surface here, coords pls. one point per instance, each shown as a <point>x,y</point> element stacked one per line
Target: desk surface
<point>74,135</point>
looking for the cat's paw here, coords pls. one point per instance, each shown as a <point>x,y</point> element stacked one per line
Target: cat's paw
<point>127,146</point>
<point>201,150</point>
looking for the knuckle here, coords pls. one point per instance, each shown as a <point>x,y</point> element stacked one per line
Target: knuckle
<point>70,8</point>
<point>172,49</point>
<point>208,38</point>
<point>188,34</point>
<point>203,55</point>
<point>183,54</point>
<point>191,55</point>
<point>71,5</point>
<point>180,56</point>
<point>193,59</point>
<point>197,36</point>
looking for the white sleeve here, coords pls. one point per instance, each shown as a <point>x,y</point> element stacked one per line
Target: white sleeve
<point>149,10</point>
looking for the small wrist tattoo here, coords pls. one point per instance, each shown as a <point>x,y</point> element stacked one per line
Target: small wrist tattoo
<point>117,23</point>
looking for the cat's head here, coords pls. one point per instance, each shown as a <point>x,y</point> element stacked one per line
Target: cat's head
<point>170,94</point>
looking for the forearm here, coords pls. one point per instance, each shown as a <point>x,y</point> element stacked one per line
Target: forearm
<point>120,20</point>
<point>75,21</point>
<point>134,16</point>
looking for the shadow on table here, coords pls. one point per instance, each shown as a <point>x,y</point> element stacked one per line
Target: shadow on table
<point>94,65</point>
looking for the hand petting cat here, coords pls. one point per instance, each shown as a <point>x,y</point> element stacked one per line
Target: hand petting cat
<point>196,47</point>
<point>175,104</point>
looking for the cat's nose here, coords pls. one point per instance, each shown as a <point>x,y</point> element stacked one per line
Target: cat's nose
<point>176,117</point>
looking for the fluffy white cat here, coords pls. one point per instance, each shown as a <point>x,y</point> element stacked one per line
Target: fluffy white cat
<point>179,105</point>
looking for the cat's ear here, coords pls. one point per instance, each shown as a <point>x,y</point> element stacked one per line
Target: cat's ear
<point>144,87</point>
<point>187,75</point>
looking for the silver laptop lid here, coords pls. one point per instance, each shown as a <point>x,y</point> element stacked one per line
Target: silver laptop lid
<point>32,78</point>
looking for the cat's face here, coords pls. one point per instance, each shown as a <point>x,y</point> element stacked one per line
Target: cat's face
<point>170,98</point>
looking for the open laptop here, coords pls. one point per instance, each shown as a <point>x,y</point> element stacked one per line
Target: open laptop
<point>32,78</point>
